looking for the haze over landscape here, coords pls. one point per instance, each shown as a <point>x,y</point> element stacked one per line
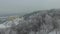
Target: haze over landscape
<point>29,16</point>
<point>26,6</point>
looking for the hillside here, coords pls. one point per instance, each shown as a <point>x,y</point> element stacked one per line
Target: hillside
<point>39,22</point>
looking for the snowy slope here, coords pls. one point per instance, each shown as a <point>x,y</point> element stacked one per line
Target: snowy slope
<point>10,23</point>
<point>29,23</point>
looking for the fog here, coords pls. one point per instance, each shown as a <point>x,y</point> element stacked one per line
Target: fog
<point>23,6</point>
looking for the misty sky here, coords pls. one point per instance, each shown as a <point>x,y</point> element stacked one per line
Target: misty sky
<point>20,6</point>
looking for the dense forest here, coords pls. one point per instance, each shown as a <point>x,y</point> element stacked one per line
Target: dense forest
<point>39,22</point>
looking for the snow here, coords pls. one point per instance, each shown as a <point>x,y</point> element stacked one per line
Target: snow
<point>10,23</point>
<point>54,32</point>
<point>2,26</point>
<point>6,24</point>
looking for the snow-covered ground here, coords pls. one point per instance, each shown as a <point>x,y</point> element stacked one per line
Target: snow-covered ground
<point>10,23</point>
<point>55,32</point>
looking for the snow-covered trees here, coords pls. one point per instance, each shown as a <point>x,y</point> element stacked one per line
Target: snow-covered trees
<point>35,22</point>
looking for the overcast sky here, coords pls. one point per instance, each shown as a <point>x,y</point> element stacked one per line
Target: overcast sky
<point>20,6</point>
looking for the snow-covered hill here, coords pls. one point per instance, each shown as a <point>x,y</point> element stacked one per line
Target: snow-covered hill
<point>33,23</point>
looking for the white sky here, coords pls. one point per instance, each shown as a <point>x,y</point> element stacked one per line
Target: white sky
<point>20,6</point>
